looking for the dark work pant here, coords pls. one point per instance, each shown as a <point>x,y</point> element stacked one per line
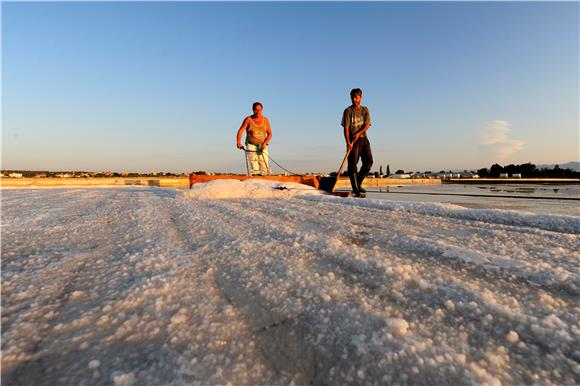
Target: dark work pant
<point>360,150</point>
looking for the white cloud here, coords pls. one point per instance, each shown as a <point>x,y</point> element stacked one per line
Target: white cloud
<point>494,140</point>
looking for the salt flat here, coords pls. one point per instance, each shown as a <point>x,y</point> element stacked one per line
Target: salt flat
<point>243,284</point>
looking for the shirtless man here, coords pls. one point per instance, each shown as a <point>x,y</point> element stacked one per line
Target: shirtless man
<point>258,135</point>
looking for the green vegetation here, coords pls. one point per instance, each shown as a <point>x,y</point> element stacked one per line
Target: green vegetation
<point>527,170</point>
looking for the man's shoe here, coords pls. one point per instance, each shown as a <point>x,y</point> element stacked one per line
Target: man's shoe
<point>359,182</point>
<point>353,182</point>
<point>358,194</point>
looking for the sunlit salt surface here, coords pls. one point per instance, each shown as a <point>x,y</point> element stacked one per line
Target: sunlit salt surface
<point>247,283</point>
<point>534,198</point>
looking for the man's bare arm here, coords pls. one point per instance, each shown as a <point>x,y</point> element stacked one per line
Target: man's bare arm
<point>268,133</point>
<point>362,131</point>
<point>241,132</point>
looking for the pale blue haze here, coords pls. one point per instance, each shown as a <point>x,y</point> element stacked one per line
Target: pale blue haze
<point>145,86</point>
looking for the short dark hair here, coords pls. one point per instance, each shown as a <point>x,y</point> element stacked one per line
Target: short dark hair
<point>256,104</point>
<point>355,91</point>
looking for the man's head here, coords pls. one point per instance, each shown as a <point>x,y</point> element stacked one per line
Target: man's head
<point>356,96</point>
<point>257,108</point>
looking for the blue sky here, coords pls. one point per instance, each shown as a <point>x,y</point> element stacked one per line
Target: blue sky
<point>141,86</point>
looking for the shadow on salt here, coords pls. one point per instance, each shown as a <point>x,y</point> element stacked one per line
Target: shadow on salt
<point>252,188</point>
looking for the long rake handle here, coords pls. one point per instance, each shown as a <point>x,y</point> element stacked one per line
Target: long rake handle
<point>340,169</point>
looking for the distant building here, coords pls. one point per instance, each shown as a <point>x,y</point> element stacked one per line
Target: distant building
<point>517,175</point>
<point>399,176</point>
<point>15,175</point>
<point>503,175</point>
<point>428,174</point>
<point>468,175</point>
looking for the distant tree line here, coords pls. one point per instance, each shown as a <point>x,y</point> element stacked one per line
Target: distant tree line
<point>84,174</point>
<point>528,170</point>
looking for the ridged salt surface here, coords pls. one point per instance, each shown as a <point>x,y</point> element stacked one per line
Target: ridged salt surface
<point>240,283</point>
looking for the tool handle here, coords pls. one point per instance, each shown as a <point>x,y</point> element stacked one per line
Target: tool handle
<point>340,170</point>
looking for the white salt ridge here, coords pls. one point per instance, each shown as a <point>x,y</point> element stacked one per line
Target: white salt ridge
<point>214,286</point>
<point>252,189</point>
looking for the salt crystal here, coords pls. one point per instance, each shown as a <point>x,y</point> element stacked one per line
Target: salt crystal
<point>399,326</point>
<point>178,318</point>
<point>127,379</point>
<point>449,305</point>
<point>94,364</point>
<point>512,337</point>
<point>76,295</point>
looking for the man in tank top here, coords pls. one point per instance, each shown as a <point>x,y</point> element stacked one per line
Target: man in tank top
<point>356,120</point>
<point>258,135</point>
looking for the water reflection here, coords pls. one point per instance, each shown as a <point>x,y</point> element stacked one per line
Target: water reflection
<point>539,199</point>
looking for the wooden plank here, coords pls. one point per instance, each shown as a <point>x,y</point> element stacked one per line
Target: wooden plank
<point>306,180</point>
